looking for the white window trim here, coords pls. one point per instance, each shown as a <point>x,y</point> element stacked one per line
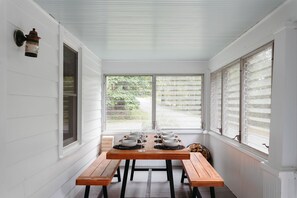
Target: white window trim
<point>66,38</point>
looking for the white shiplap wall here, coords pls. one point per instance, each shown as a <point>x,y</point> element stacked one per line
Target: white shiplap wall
<point>242,173</point>
<point>32,161</point>
<point>245,173</point>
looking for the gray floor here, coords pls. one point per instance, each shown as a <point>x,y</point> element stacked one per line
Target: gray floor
<point>157,188</point>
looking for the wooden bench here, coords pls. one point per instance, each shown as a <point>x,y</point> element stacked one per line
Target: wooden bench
<point>201,174</point>
<point>99,173</point>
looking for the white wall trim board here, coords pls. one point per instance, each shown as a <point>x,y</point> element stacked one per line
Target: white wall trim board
<point>3,91</point>
<point>284,109</point>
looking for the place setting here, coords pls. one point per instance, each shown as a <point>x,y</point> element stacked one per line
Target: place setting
<point>135,140</point>
<point>167,140</point>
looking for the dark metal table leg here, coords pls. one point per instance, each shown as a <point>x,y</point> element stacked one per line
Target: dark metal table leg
<point>125,178</point>
<point>87,191</point>
<point>170,177</point>
<point>132,170</point>
<point>105,192</point>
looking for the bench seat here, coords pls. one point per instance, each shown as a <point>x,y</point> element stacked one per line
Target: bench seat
<point>99,173</point>
<point>201,174</point>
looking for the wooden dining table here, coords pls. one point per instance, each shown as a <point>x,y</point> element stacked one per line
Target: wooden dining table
<point>149,153</point>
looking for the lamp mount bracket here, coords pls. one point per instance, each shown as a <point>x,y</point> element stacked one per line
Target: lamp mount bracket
<point>19,38</point>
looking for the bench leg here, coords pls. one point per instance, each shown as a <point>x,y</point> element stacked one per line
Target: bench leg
<point>87,191</point>
<point>183,176</point>
<point>132,170</point>
<point>212,192</point>
<point>119,174</point>
<point>104,188</point>
<point>196,193</point>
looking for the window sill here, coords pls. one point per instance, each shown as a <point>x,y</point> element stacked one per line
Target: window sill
<point>241,147</point>
<point>69,149</point>
<point>177,131</point>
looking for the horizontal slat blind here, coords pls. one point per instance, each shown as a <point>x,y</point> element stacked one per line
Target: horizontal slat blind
<point>231,100</point>
<point>257,99</point>
<point>128,102</point>
<point>216,101</point>
<point>178,101</point>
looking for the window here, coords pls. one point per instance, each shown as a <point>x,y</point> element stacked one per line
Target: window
<point>246,101</point>
<point>257,82</point>
<point>136,102</point>
<point>70,85</point>
<point>231,100</point>
<point>128,102</point>
<point>216,102</point>
<point>179,100</point>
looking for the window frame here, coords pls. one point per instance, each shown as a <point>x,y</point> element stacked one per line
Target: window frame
<point>241,92</point>
<point>73,138</point>
<point>68,39</point>
<point>242,84</point>
<point>154,97</point>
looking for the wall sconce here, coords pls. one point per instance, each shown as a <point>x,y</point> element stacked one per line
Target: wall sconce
<point>32,42</point>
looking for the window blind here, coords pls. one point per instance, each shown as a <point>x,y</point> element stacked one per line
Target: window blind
<point>179,101</point>
<point>216,101</point>
<point>231,100</point>
<point>257,99</point>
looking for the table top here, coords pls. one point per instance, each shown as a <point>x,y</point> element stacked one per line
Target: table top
<point>149,153</point>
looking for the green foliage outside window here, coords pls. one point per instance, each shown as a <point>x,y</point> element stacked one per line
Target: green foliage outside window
<point>122,93</point>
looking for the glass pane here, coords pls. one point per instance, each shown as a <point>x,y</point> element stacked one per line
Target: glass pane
<point>216,101</point>
<point>70,70</point>
<point>70,120</point>
<point>70,96</point>
<point>128,102</point>
<point>257,99</point>
<point>231,100</point>
<point>178,101</point>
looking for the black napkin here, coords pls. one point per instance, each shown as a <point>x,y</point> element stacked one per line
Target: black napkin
<point>163,147</point>
<point>121,147</point>
<point>158,141</point>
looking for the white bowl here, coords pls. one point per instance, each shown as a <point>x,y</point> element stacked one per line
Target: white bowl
<point>129,143</point>
<point>167,133</point>
<point>134,133</point>
<point>170,143</point>
<point>168,137</point>
<point>132,137</point>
